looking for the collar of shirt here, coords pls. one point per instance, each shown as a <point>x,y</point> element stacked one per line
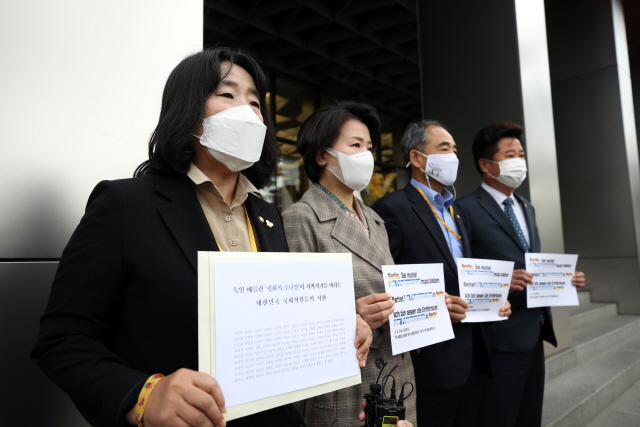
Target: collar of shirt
<point>442,201</point>
<point>498,196</point>
<point>243,187</point>
<point>360,212</point>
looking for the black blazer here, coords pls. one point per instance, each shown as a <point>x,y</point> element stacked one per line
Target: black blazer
<point>415,237</point>
<point>493,236</point>
<point>123,304</point>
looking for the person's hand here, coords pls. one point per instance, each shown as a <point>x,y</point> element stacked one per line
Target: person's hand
<point>578,280</point>
<point>363,340</point>
<point>361,416</point>
<point>519,280</point>
<point>457,307</point>
<point>182,399</point>
<point>375,309</point>
<point>505,311</point>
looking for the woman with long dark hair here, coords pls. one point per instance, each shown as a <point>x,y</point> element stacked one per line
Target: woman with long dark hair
<point>123,306</point>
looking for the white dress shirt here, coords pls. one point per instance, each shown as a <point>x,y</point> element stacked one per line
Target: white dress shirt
<point>517,209</point>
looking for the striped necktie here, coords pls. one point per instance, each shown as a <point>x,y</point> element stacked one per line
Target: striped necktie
<point>508,209</point>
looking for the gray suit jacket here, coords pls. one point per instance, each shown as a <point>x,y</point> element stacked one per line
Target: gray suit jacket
<point>493,236</point>
<point>318,224</point>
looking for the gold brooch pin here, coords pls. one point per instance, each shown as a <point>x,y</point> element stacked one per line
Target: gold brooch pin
<point>260,219</point>
<point>269,224</point>
<point>458,216</point>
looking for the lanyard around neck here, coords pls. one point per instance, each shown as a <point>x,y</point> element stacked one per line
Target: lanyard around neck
<point>459,237</point>
<point>252,239</point>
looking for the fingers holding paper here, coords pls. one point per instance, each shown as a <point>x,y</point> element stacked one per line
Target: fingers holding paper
<point>578,280</point>
<point>505,311</point>
<point>185,398</point>
<point>361,414</point>
<point>457,307</point>
<point>519,280</point>
<point>363,340</point>
<point>375,309</point>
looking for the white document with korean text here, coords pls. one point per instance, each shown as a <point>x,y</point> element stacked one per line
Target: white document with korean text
<point>420,317</point>
<point>276,328</point>
<point>552,274</point>
<point>484,284</point>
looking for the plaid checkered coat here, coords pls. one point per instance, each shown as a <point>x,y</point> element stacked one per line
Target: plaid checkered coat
<point>318,224</point>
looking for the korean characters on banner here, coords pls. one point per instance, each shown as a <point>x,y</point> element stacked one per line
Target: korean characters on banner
<point>276,328</point>
<point>304,293</point>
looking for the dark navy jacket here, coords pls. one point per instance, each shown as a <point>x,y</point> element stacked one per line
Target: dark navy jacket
<point>123,303</point>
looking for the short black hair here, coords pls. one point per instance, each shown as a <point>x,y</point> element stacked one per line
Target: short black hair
<point>485,144</point>
<point>185,94</point>
<point>322,129</point>
<point>415,137</point>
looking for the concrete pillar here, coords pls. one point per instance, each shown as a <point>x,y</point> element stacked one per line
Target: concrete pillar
<point>470,72</point>
<point>483,62</point>
<point>81,86</point>
<point>631,18</point>
<point>597,145</point>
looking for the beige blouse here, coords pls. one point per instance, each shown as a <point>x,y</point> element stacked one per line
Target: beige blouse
<point>228,223</point>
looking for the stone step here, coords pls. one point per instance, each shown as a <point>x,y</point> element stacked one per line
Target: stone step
<point>584,297</point>
<point>579,395</point>
<point>624,411</point>
<point>593,312</point>
<point>591,341</point>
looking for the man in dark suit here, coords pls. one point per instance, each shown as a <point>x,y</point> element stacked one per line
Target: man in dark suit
<point>422,228</point>
<point>502,225</point>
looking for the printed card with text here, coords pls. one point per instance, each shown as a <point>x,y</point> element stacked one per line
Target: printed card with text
<point>276,328</point>
<point>552,274</point>
<point>484,284</point>
<point>420,317</point>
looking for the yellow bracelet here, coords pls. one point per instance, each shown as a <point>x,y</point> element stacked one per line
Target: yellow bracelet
<point>144,396</point>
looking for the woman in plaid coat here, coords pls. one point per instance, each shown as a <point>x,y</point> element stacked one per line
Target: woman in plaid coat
<point>336,144</point>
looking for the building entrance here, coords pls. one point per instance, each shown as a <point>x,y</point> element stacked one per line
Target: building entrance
<point>323,51</point>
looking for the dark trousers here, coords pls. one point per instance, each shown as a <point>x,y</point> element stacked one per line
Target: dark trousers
<point>454,407</point>
<point>514,396</point>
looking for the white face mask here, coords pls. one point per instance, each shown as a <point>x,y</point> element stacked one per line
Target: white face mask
<point>512,172</point>
<point>441,167</point>
<point>355,170</point>
<point>234,136</point>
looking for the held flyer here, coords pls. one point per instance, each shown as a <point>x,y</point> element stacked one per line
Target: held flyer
<point>420,317</point>
<point>552,274</point>
<point>276,328</point>
<point>484,284</point>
